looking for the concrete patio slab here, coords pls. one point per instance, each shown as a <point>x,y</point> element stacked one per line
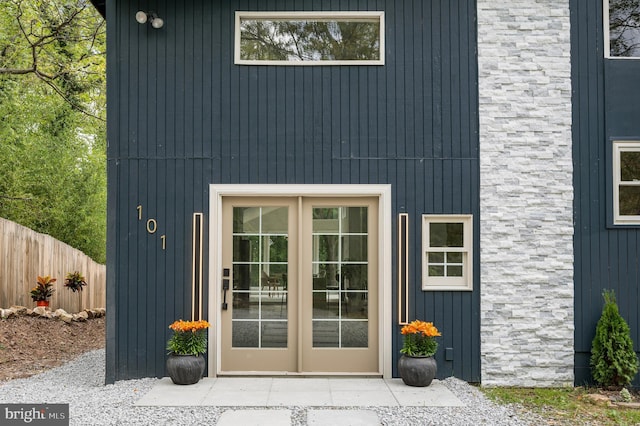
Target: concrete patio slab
<point>255,418</point>
<point>305,392</point>
<point>342,418</point>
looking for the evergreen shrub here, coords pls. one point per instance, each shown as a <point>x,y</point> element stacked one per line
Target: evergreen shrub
<point>614,363</point>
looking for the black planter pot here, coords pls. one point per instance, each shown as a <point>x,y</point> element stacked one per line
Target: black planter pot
<point>185,369</point>
<point>417,371</point>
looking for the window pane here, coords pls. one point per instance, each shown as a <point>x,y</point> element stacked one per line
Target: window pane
<point>275,220</point>
<point>274,305</point>
<point>246,220</point>
<point>629,200</point>
<point>454,271</point>
<point>326,220</point>
<point>355,334</point>
<point>630,166</point>
<point>246,249</point>
<point>354,248</point>
<point>454,257</point>
<point>624,28</point>
<point>327,248</point>
<point>355,277</point>
<point>245,305</point>
<point>277,249</point>
<point>436,257</point>
<point>274,334</point>
<point>436,271</point>
<point>326,304</point>
<point>246,277</point>
<point>446,234</point>
<point>355,305</point>
<point>354,220</point>
<point>309,39</point>
<point>245,334</point>
<point>325,334</point>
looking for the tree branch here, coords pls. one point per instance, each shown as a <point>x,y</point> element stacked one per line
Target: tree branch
<point>36,39</point>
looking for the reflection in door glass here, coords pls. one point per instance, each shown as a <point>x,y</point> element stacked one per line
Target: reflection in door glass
<point>259,294</point>
<point>340,271</point>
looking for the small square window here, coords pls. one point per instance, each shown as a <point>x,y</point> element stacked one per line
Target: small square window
<point>622,28</point>
<point>447,242</point>
<point>626,182</point>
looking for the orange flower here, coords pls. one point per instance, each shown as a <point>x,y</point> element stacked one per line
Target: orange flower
<point>420,327</point>
<point>193,326</point>
<point>431,330</point>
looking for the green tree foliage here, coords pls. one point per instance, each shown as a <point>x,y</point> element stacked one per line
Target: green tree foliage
<point>613,360</point>
<point>52,134</point>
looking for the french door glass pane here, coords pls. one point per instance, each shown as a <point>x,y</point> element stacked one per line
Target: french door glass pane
<point>259,293</point>
<point>355,334</point>
<point>340,270</point>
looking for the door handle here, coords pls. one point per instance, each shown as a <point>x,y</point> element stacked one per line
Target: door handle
<point>225,287</point>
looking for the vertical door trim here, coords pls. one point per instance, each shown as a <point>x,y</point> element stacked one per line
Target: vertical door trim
<point>300,279</point>
<point>218,191</point>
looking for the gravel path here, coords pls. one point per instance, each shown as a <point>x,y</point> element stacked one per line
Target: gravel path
<point>80,383</point>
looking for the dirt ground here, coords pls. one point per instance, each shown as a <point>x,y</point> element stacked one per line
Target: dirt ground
<point>30,345</point>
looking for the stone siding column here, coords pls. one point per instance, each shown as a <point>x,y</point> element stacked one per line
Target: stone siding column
<point>526,193</point>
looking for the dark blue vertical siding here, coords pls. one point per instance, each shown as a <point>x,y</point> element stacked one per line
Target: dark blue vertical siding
<point>183,116</point>
<point>606,105</point>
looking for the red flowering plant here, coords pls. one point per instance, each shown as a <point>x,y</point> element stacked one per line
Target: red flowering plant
<point>419,339</point>
<point>189,337</point>
<point>43,289</point>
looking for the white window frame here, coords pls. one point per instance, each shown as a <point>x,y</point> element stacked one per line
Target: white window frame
<point>301,15</point>
<point>463,283</point>
<point>606,34</point>
<point>619,147</point>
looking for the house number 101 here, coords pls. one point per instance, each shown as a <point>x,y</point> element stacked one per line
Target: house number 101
<point>152,227</point>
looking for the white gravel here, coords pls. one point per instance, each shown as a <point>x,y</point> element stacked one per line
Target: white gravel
<point>80,383</point>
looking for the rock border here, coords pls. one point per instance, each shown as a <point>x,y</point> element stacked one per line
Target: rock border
<point>60,314</point>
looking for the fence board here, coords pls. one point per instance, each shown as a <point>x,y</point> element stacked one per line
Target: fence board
<point>25,254</point>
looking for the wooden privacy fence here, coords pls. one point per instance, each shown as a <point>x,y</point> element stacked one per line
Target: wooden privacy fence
<point>25,254</point>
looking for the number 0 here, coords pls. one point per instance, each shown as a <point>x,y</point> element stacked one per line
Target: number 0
<point>152,226</point>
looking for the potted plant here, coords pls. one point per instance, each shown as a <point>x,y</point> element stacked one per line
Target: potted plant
<point>75,281</point>
<point>186,346</point>
<point>43,290</point>
<point>416,366</point>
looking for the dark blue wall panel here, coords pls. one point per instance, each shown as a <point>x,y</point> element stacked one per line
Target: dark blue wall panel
<point>183,116</point>
<point>606,105</point>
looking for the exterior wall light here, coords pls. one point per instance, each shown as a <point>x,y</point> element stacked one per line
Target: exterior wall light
<point>151,17</point>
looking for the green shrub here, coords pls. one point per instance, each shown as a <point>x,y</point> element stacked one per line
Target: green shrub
<point>613,360</point>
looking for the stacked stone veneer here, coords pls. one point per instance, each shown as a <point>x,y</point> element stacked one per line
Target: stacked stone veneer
<point>526,193</point>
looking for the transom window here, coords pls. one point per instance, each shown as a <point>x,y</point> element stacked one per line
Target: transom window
<point>447,242</point>
<point>626,186</point>
<point>622,28</point>
<point>309,38</point>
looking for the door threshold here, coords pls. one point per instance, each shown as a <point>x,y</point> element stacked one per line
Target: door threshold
<point>290,374</point>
